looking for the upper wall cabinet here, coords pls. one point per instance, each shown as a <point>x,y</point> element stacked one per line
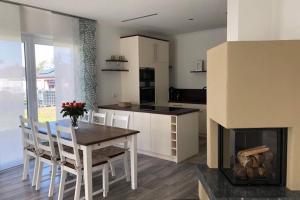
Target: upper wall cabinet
<point>152,51</point>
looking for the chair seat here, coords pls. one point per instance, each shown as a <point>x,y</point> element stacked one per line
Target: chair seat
<point>30,148</point>
<point>97,159</point>
<point>112,151</point>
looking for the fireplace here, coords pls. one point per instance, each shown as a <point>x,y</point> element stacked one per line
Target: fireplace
<point>253,156</point>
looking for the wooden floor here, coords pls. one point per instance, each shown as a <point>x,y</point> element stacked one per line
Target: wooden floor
<point>157,179</point>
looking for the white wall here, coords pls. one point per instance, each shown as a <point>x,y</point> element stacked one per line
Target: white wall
<point>108,83</point>
<point>185,50</point>
<point>108,43</point>
<point>289,19</point>
<point>263,20</point>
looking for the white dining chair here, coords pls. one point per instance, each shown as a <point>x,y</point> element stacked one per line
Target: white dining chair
<point>121,121</point>
<point>115,153</point>
<point>47,153</point>
<point>86,117</point>
<point>29,149</point>
<point>98,118</point>
<point>71,162</point>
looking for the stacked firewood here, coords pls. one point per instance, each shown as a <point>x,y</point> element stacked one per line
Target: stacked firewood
<point>254,163</point>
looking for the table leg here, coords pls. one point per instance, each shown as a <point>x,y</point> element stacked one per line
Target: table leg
<point>87,166</point>
<point>133,161</point>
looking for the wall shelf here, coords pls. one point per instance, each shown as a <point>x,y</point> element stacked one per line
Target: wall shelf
<point>117,61</point>
<point>115,70</point>
<point>197,71</point>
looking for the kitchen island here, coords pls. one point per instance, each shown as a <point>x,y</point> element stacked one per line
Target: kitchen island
<point>165,132</point>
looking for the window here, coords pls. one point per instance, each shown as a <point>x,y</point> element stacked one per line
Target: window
<point>45,82</point>
<point>40,73</point>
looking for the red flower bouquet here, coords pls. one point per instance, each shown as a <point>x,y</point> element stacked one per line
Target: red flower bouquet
<point>74,110</point>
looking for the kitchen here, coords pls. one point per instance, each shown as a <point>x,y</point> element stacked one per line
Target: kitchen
<point>159,111</point>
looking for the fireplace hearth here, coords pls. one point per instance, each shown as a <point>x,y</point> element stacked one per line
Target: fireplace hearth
<point>253,156</point>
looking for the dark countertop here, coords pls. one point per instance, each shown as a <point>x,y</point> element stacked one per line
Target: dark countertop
<point>152,109</point>
<point>218,187</point>
<point>187,101</point>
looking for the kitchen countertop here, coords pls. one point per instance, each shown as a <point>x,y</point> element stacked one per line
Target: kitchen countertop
<point>152,109</point>
<point>188,102</point>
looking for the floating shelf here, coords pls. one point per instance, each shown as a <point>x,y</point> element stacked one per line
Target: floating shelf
<point>115,70</point>
<point>116,60</point>
<point>197,71</point>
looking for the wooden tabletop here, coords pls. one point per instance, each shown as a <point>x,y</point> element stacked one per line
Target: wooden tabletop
<point>89,134</point>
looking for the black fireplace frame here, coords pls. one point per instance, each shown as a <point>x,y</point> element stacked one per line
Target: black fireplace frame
<point>281,142</point>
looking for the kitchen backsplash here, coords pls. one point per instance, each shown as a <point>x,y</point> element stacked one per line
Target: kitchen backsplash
<point>187,95</point>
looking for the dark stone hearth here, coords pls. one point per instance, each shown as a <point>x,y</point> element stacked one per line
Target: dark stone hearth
<point>218,187</point>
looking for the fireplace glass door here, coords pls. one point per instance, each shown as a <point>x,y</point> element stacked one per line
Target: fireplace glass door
<point>255,156</point>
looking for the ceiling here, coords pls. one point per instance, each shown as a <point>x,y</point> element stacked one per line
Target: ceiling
<point>173,15</point>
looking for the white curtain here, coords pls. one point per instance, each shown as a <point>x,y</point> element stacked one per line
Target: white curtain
<point>66,59</point>
<point>12,86</point>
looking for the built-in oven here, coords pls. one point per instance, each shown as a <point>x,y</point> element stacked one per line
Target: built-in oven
<point>147,85</point>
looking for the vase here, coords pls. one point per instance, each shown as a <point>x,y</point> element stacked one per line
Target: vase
<point>74,121</point>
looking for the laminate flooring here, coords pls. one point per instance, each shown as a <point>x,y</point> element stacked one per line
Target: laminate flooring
<point>157,180</point>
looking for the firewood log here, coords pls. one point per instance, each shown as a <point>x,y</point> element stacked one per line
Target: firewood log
<point>252,172</point>
<point>245,161</point>
<point>255,162</point>
<point>254,151</point>
<point>240,171</point>
<point>262,171</point>
<point>269,156</point>
<point>259,158</point>
<point>267,165</point>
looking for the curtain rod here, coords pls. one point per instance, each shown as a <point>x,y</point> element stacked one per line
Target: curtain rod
<point>53,11</point>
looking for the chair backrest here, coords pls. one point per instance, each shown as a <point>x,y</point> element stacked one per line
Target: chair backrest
<point>86,117</point>
<point>68,148</point>
<point>29,140</point>
<point>98,118</point>
<point>45,144</point>
<point>121,121</point>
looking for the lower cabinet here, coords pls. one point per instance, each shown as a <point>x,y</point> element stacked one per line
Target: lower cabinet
<point>173,138</point>
<point>202,115</point>
<point>142,124</point>
<point>155,133</point>
<point>160,128</point>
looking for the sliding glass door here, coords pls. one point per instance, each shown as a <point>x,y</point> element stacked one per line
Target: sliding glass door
<point>45,82</point>
<point>40,73</point>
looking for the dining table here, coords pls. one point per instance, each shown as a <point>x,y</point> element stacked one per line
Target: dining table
<point>91,137</point>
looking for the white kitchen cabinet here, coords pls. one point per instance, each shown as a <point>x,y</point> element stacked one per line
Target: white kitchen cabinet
<point>168,137</point>
<point>147,52</point>
<point>161,134</point>
<point>161,84</point>
<point>202,114</point>
<point>144,52</point>
<point>152,51</point>
<point>142,123</point>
